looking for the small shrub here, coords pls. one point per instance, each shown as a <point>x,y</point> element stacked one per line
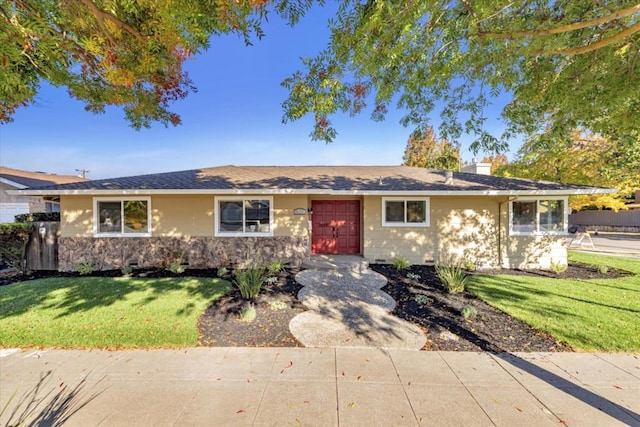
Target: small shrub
<point>401,262</point>
<point>558,267</point>
<point>126,270</point>
<point>469,312</point>
<point>248,314</point>
<point>176,266</point>
<point>249,280</point>
<point>275,267</point>
<point>469,265</point>
<point>277,305</point>
<point>84,268</point>
<point>452,276</point>
<point>222,271</point>
<point>603,269</point>
<point>272,280</point>
<point>413,276</point>
<point>422,299</point>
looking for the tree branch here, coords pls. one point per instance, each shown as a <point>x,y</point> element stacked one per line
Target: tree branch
<point>597,45</point>
<point>565,28</point>
<point>101,15</point>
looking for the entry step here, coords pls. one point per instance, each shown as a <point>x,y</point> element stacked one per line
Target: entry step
<point>336,262</point>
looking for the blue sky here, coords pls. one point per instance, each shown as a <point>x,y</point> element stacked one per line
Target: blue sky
<point>234,118</point>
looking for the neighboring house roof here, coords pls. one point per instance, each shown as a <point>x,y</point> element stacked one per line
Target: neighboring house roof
<point>25,179</point>
<point>386,180</point>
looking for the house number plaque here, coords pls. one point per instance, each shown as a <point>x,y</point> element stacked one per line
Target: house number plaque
<point>299,211</point>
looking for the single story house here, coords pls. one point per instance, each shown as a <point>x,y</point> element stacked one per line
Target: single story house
<point>12,179</point>
<point>230,214</point>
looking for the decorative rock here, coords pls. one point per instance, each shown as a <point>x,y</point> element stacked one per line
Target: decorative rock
<point>196,252</point>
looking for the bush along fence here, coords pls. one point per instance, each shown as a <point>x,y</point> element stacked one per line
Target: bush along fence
<point>13,244</point>
<point>38,217</point>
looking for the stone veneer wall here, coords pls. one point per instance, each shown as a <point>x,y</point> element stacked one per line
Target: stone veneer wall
<point>107,253</point>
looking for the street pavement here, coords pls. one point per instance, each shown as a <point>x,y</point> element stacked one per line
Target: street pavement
<point>317,386</point>
<point>611,243</point>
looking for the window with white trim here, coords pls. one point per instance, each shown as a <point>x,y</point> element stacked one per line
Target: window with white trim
<point>244,216</point>
<point>401,212</point>
<point>122,217</point>
<point>538,216</point>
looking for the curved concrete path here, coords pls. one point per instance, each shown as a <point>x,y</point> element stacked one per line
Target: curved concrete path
<point>348,309</point>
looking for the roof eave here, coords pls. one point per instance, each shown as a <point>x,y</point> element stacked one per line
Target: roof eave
<point>13,183</point>
<point>452,192</point>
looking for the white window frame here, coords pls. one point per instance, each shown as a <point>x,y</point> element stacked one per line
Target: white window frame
<point>427,216</point>
<point>51,206</point>
<point>96,216</point>
<point>538,231</point>
<point>217,216</point>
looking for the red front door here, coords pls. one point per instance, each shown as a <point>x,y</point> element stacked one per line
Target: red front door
<point>335,227</point>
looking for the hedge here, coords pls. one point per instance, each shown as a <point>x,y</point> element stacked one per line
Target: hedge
<point>13,242</point>
<point>38,217</point>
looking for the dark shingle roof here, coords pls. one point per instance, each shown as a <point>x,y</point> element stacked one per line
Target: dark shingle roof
<point>318,178</point>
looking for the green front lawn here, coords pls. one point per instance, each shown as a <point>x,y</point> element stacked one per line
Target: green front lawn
<point>589,315</point>
<point>105,312</point>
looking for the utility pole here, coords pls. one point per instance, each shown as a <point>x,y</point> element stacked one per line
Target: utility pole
<point>82,172</point>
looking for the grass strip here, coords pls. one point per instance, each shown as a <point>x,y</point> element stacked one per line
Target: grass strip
<point>589,315</point>
<point>105,312</point>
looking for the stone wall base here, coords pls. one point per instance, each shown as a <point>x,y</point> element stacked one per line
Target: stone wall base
<point>194,252</point>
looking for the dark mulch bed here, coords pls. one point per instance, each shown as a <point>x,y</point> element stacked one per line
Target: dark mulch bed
<point>221,326</point>
<point>440,318</point>
<point>574,271</point>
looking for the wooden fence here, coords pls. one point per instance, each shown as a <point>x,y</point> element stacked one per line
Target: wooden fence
<point>623,221</point>
<point>42,249</point>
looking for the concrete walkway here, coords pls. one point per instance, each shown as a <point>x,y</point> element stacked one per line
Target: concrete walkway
<point>348,309</point>
<point>312,386</point>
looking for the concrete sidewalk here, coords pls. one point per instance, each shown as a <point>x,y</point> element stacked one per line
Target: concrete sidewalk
<point>307,386</point>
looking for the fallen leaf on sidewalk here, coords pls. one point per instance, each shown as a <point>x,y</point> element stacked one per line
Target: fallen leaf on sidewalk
<point>239,411</point>
<point>352,404</point>
<point>287,367</point>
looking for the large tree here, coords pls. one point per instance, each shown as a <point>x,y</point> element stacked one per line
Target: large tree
<point>127,53</point>
<point>563,64</point>
<point>425,150</point>
<point>582,159</point>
